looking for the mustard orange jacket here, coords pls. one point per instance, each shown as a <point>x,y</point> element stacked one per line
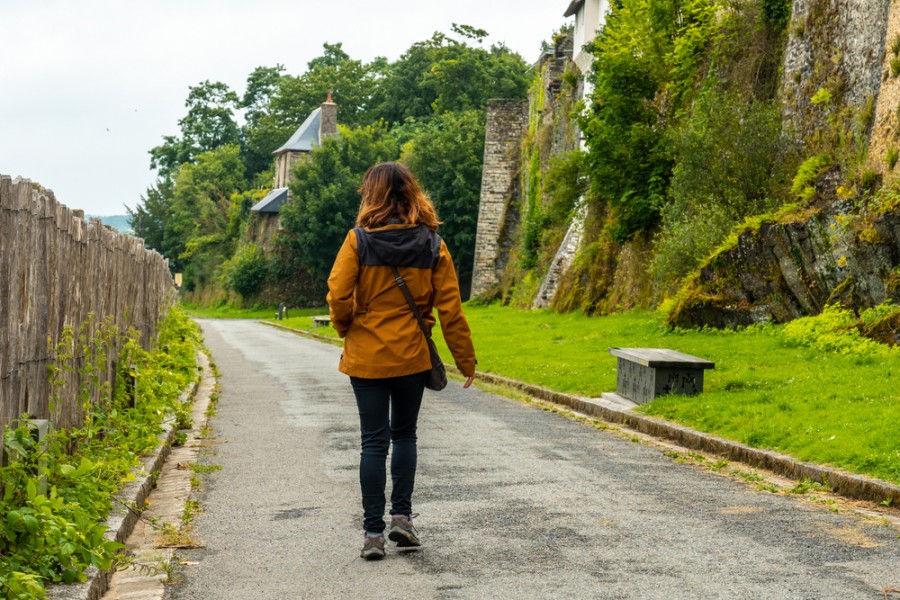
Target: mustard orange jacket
<point>381,335</point>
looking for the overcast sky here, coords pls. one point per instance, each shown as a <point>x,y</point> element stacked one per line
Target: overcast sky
<point>87,87</point>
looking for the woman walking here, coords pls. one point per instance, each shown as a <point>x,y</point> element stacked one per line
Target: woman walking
<point>385,352</point>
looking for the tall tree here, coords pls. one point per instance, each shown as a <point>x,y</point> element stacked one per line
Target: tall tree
<point>208,124</point>
<point>444,74</point>
<point>151,218</point>
<point>262,85</point>
<point>201,236</point>
<point>446,158</point>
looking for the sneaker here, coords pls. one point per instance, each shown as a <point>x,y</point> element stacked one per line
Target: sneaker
<point>403,532</point>
<point>373,548</point>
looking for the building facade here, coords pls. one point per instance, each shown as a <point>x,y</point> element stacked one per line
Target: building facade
<point>590,15</point>
<point>264,215</point>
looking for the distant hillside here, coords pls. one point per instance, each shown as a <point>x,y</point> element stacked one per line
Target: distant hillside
<point>119,222</point>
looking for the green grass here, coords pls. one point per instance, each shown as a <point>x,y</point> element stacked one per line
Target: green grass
<point>766,391</point>
<point>227,312</point>
<point>772,387</point>
<point>299,318</point>
<point>230,312</point>
<point>304,320</point>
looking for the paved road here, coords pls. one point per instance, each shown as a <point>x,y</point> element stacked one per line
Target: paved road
<point>515,503</point>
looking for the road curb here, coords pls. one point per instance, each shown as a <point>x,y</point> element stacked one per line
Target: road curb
<point>121,520</point>
<point>841,482</point>
<point>304,333</point>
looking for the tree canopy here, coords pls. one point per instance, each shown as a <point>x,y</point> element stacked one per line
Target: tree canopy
<point>446,157</point>
<point>443,74</point>
<point>326,200</point>
<point>208,125</point>
<point>430,102</point>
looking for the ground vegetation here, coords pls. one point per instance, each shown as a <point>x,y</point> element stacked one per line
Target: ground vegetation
<point>56,492</point>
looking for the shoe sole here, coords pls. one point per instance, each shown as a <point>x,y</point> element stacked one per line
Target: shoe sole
<point>372,555</point>
<point>403,539</point>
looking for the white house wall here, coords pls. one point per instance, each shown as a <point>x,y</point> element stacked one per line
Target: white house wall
<point>588,20</point>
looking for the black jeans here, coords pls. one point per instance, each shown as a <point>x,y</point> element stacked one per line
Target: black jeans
<point>388,411</point>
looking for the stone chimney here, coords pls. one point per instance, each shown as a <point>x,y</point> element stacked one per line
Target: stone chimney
<point>328,118</point>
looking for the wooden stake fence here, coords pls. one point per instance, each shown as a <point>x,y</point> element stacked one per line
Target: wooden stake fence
<point>56,271</point>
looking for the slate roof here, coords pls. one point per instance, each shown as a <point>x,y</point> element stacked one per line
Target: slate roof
<point>573,8</point>
<point>306,136</point>
<point>272,202</point>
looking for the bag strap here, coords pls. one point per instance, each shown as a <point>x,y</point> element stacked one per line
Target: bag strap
<point>401,283</point>
<point>398,279</point>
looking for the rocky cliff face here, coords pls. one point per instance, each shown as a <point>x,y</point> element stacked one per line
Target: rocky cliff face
<point>784,270</point>
<point>832,60</point>
<point>885,134</point>
<point>841,80</point>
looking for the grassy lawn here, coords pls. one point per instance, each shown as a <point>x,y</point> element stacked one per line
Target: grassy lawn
<point>227,312</point>
<point>767,390</point>
<point>771,388</point>
<point>304,320</point>
<point>298,318</point>
<point>267,313</point>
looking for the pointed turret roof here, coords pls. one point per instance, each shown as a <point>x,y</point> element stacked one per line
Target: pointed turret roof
<point>306,136</point>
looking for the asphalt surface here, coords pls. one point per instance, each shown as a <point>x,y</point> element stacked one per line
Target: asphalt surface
<point>514,502</point>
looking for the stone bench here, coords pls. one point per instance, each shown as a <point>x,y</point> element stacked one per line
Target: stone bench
<point>321,321</point>
<point>642,374</point>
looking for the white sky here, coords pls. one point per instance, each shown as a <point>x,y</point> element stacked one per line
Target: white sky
<point>87,87</point>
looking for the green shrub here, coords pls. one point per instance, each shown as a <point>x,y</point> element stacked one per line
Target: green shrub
<point>627,163</point>
<point>776,13</point>
<point>864,114</point>
<point>833,330</point>
<point>822,96</point>
<point>564,184</point>
<point>247,270</point>
<point>522,295</point>
<point>884,200</point>
<point>726,168</point>
<point>684,241</point>
<point>869,179</point>
<point>726,155</point>
<point>874,314</point>
<point>54,535</point>
<point>532,220</point>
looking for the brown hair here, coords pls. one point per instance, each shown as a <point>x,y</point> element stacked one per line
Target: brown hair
<point>390,192</point>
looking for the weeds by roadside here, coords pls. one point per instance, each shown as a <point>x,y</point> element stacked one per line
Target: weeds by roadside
<point>58,492</point>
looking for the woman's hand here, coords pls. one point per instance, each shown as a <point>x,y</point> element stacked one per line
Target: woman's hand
<point>469,381</point>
